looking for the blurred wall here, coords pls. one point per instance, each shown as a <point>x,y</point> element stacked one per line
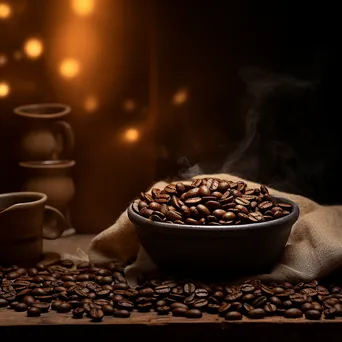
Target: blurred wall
<point>157,87</point>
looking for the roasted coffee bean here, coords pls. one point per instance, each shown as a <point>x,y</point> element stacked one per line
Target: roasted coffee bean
<point>56,304</point>
<point>96,315</point>
<point>201,293</point>
<point>338,308</point>
<point>224,308</point>
<point>3,303</point>
<point>13,304</point>
<point>29,300</point>
<point>246,288</point>
<point>293,313</point>
<point>13,275</point>
<point>121,313</point>
<point>200,303</point>
<point>189,288</point>
<point>178,305</point>
<point>248,297</point>
<point>173,215</point>
<point>213,205</point>
<point>313,314</point>
<point>194,313</point>
<point>33,312</point>
<point>270,308</point>
<point>179,312</point>
<point>146,292</point>
<point>44,307</point>
<point>64,307</point>
<point>78,313</point>
<point>222,186</point>
<point>107,309</point>
<point>287,304</point>
<point>162,310</point>
<point>162,289</point>
<point>259,301</point>
<point>247,307</point>
<point>178,290</point>
<point>125,304</point>
<point>330,312</point>
<point>100,302</point>
<point>316,306</point>
<point>256,313</point>
<point>234,296</point>
<point>233,316</point>
<point>32,272</point>
<point>191,221</point>
<point>203,210</point>
<point>20,307</point>
<point>306,306</point>
<point>330,301</point>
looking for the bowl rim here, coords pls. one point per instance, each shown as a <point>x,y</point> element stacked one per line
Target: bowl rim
<point>293,216</point>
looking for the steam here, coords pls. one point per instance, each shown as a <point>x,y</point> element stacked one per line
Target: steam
<point>187,171</point>
<point>268,92</point>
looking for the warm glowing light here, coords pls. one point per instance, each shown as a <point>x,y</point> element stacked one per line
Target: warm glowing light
<point>131,135</point>
<point>69,68</point>
<point>33,48</point>
<point>82,7</point>
<point>4,89</point>
<point>17,55</point>
<point>129,105</point>
<point>180,97</point>
<point>3,60</point>
<point>5,10</point>
<point>90,104</point>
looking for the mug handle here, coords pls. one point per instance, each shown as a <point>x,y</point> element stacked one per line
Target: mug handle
<point>54,223</point>
<point>68,138</point>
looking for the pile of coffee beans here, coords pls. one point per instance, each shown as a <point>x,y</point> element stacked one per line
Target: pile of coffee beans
<point>84,290</point>
<point>210,202</point>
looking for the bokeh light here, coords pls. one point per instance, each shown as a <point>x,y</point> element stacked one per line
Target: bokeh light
<point>69,68</point>
<point>180,97</point>
<point>4,89</point>
<point>82,7</point>
<point>5,10</point>
<point>33,48</point>
<point>91,104</point>
<point>131,135</point>
<point>129,105</point>
<point>17,55</point>
<point>3,59</point>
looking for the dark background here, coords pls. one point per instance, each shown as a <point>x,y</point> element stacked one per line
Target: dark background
<point>258,75</point>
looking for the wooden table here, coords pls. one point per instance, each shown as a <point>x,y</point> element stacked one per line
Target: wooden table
<point>149,326</point>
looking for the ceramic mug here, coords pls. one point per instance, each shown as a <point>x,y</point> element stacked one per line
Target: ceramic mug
<point>25,220</point>
<point>45,136</point>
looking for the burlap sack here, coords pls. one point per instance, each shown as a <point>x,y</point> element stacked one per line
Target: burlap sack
<point>314,248</point>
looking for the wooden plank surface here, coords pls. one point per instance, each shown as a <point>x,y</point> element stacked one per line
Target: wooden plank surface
<point>154,327</point>
<point>12,318</point>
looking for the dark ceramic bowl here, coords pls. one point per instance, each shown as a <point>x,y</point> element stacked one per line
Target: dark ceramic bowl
<point>226,251</point>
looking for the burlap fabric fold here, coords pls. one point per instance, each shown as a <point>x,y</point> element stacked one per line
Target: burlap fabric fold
<point>314,248</point>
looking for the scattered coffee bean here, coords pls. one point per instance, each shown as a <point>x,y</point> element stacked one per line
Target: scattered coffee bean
<point>313,314</point>
<point>256,313</point>
<point>180,312</point>
<point>194,313</point>
<point>33,312</point>
<point>293,313</point>
<point>20,307</point>
<point>104,291</point>
<point>64,307</point>
<point>96,315</point>
<point>78,313</point>
<point>233,316</point>
<point>122,313</point>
